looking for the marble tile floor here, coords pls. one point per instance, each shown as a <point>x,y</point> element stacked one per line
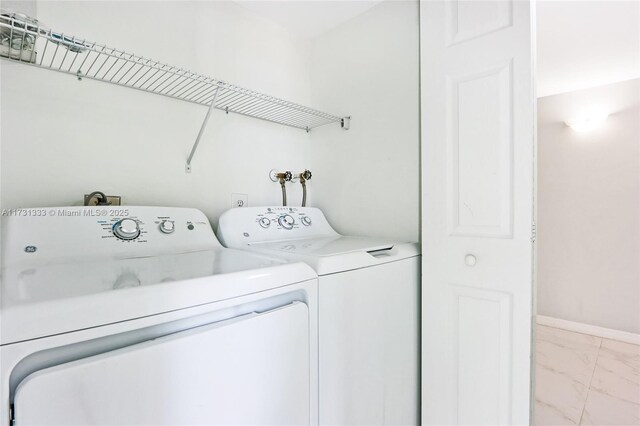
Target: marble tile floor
<point>585,380</point>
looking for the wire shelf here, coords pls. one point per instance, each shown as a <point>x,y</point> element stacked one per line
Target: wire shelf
<point>25,40</point>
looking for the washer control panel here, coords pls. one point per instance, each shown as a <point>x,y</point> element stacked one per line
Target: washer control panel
<point>138,228</point>
<point>257,224</point>
<point>287,218</point>
<point>81,232</point>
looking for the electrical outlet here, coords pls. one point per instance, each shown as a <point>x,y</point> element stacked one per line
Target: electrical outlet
<point>114,200</point>
<point>239,200</point>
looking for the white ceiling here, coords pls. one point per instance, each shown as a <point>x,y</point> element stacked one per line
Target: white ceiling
<point>308,18</point>
<point>584,44</point>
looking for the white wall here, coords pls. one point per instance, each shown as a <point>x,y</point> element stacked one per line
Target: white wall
<point>589,209</point>
<point>367,178</point>
<point>62,138</point>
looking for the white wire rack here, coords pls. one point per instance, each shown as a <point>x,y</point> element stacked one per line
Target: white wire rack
<point>25,40</point>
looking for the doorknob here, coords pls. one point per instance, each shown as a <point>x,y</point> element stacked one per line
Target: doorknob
<point>470,260</point>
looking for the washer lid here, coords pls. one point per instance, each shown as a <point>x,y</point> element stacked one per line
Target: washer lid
<point>328,255</point>
<point>53,298</point>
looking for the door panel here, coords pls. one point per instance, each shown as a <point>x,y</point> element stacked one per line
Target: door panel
<point>467,20</point>
<point>479,136</point>
<point>483,355</point>
<point>253,369</point>
<point>477,106</point>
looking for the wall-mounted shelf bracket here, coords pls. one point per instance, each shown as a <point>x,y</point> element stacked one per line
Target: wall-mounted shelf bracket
<point>204,125</point>
<point>26,41</point>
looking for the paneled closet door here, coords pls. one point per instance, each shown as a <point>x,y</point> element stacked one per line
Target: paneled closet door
<point>478,132</point>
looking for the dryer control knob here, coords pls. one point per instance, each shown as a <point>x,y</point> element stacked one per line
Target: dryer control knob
<point>167,226</point>
<point>264,222</point>
<point>306,220</point>
<point>286,221</point>
<point>126,229</point>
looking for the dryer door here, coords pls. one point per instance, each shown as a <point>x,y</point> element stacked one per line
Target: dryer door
<point>253,369</point>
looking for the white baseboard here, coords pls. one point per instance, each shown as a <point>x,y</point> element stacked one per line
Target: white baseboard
<point>594,330</point>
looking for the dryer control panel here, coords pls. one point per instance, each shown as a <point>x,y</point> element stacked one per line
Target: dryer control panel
<point>245,226</point>
<point>42,235</point>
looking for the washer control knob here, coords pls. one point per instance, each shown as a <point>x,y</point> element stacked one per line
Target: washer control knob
<point>167,226</point>
<point>286,221</point>
<point>264,222</point>
<point>126,229</point>
<point>306,220</point>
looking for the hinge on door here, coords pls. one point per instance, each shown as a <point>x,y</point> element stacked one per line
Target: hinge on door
<point>533,232</point>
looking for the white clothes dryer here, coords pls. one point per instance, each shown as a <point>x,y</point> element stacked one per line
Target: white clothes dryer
<point>368,308</point>
<point>138,316</point>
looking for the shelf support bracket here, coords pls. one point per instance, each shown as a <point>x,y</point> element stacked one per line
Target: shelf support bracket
<point>204,125</point>
<point>345,122</point>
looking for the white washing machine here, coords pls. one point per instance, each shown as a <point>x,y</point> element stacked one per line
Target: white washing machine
<point>137,316</point>
<point>368,309</point>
